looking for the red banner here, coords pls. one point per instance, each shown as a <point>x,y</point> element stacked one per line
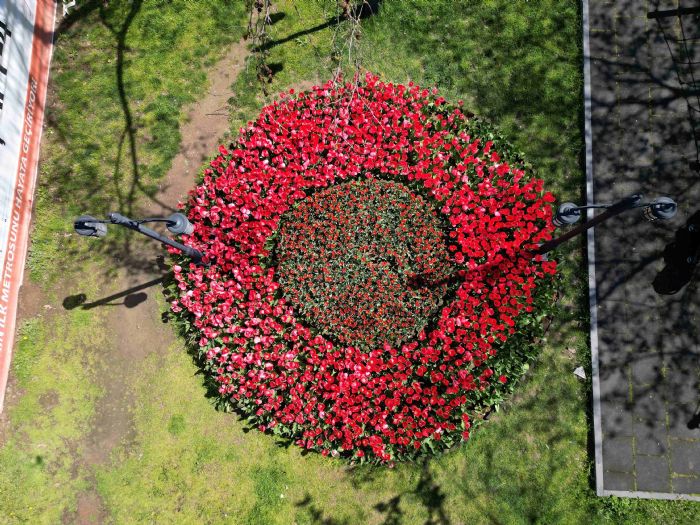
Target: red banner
<point>18,203</point>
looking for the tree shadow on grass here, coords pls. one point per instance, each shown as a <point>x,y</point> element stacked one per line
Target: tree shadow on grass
<point>126,200</point>
<point>78,180</point>
<point>316,515</point>
<point>366,9</point>
<point>427,492</point>
<point>78,13</point>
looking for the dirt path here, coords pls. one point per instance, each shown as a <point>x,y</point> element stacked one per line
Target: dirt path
<point>207,122</point>
<point>138,331</point>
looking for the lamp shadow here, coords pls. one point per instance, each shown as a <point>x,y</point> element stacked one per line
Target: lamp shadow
<point>132,297</point>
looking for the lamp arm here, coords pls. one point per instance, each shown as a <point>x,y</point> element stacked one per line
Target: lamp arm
<point>121,220</point>
<point>154,219</point>
<point>614,209</point>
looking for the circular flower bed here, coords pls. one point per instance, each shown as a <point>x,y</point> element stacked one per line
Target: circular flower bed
<point>371,285</point>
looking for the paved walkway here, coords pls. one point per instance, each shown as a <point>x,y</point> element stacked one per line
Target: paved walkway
<point>647,297</point>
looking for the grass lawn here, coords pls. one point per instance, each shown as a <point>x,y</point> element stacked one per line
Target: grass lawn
<point>519,64</point>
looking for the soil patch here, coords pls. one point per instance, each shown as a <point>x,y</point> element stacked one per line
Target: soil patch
<point>32,301</point>
<point>90,510</point>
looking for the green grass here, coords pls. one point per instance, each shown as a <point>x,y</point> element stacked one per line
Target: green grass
<point>516,63</point>
<point>120,78</point>
<point>529,464</point>
<point>54,365</point>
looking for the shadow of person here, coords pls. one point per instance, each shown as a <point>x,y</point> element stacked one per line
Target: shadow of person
<point>276,17</point>
<point>694,422</point>
<point>367,8</point>
<point>681,257</point>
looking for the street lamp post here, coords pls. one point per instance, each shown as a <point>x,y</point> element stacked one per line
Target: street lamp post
<point>661,208</point>
<point>176,223</point>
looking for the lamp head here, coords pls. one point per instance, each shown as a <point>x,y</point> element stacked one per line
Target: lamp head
<point>88,226</point>
<point>661,208</point>
<point>178,224</point>
<point>568,213</point>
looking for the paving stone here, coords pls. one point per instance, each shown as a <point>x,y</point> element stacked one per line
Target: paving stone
<point>684,421</point>
<point>614,380</point>
<point>643,141</point>
<point>681,143</point>
<point>634,79</point>
<point>681,132</point>
<point>637,95</point>
<point>617,397</point>
<point>682,383</point>
<point>617,454</point>
<point>685,457</point>
<point>619,481</point>
<point>668,103</point>
<point>686,71</point>
<point>612,299</point>
<point>662,5</point>
<point>652,474</point>
<point>651,438</point>
<point>632,344</point>
<point>638,151</point>
<point>689,485</point>
<point>603,75</point>
<point>647,370</point>
<point>644,316</point>
<point>636,11</point>
<point>605,147</point>
<point>602,45</point>
<point>612,295</point>
<point>633,118</point>
<point>658,45</point>
<point>617,419</point>
<point>606,167</point>
<point>603,99</point>
<point>648,405</point>
<point>602,18</point>
<point>631,45</point>
<point>651,176</point>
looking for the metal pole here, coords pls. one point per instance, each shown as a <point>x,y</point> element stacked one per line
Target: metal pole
<point>121,220</point>
<point>633,201</point>
<point>625,204</point>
